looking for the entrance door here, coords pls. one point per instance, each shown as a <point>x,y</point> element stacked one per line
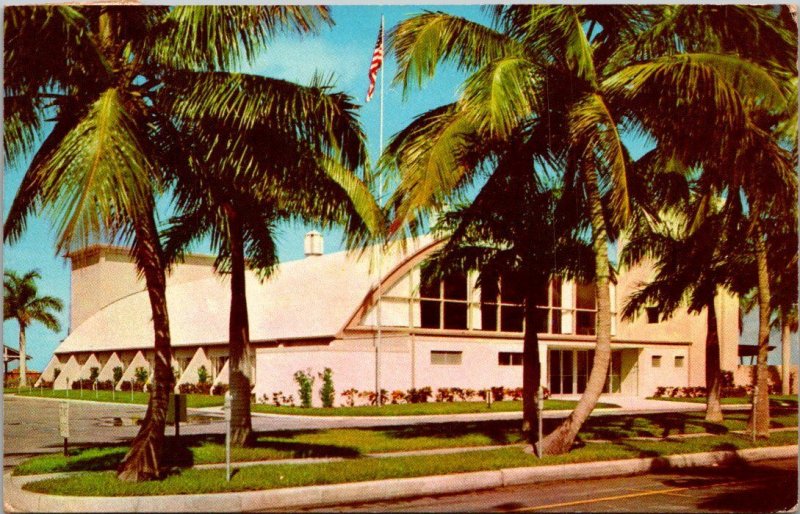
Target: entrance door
<point>568,371</point>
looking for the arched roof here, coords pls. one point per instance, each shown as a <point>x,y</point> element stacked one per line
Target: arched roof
<point>313,297</point>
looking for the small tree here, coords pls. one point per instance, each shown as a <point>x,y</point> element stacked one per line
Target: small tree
<point>202,375</point>
<point>305,380</point>
<point>327,393</point>
<point>117,374</point>
<point>141,374</point>
<point>94,372</point>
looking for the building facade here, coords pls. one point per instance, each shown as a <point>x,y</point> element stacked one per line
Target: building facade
<point>323,312</point>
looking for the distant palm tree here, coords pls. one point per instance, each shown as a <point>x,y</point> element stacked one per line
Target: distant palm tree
<point>575,76</point>
<point>23,303</point>
<point>251,168</point>
<point>99,74</point>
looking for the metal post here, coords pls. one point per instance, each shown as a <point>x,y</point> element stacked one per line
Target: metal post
<point>227,409</point>
<point>755,411</point>
<point>131,381</point>
<point>177,400</point>
<point>68,386</point>
<point>80,385</point>
<point>540,396</point>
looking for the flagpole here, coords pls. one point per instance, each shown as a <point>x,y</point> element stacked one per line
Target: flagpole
<point>378,320</point>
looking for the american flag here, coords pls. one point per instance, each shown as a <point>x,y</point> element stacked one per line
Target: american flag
<point>375,65</point>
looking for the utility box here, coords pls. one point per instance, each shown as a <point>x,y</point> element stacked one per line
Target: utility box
<point>177,404</point>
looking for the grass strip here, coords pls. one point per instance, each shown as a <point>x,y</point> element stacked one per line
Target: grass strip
<point>124,397</point>
<point>418,409</point>
<point>198,481</point>
<point>403,409</point>
<point>356,442</point>
<point>778,400</point>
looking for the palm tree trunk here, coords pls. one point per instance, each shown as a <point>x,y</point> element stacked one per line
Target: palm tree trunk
<point>713,371</point>
<point>759,416</point>
<point>239,336</point>
<point>144,459</point>
<point>531,366</point>
<point>786,354</point>
<point>563,437</point>
<point>23,356</point>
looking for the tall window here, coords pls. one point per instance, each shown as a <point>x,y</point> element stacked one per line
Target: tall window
<point>501,305</point>
<point>585,309</point>
<point>443,303</point>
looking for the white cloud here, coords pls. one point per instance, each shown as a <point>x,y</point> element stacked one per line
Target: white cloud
<point>297,59</point>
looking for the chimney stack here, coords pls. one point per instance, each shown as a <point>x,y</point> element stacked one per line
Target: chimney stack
<point>313,244</point>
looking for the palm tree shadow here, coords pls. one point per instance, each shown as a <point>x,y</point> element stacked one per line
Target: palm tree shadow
<point>497,431</point>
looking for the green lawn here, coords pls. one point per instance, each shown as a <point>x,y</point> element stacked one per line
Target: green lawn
<point>403,409</point>
<point>138,397</point>
<point>775,400</point>
<point>416,409</point>
<point>357,442</point>
<point>196,481</point>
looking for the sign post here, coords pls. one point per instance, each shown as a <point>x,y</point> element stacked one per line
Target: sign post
<point>227,409</point>
<point>540,399</point>
<point>63,423</point>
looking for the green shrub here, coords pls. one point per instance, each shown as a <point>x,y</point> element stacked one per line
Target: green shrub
<point>327,393</point>
<point>202,375</point>
<point>141,375</point>
<point>117,374</point>
<point>305,380</point>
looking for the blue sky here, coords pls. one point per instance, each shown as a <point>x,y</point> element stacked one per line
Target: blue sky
<point>344,50</point>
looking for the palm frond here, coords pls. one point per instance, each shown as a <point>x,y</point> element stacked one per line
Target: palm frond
<point>436,155</point>
<point>501,95</point>
<point>594,130</point>
<point>424,40</point>
<point>99,176</point>
<point>215,37</point>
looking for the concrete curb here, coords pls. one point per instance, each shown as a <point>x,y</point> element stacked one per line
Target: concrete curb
<point>378,490</point>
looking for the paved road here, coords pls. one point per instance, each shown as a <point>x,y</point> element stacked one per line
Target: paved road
<point>768,486</point>
<point>30,425</point>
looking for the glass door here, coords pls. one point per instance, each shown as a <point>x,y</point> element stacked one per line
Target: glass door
<point>568,371</point>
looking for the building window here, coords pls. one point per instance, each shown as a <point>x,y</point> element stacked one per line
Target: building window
<point>509,359</point>
<point>679,361</point>
<point>656,361</point>
<point>585,309</point>
<point>652,314</point>
<point>443,303</point>
<point>445,358</point>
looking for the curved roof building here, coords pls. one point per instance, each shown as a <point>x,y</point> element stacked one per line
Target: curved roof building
<point>321,311</point>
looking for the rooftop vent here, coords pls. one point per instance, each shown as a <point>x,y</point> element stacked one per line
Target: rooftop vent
<point>313,244</point>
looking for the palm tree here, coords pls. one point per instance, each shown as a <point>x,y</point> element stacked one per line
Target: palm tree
<point>587,54</point>
<point>98,73</point>
<point>690,269</point>
<point>512,230</point>
<point>290,167</point>
<point>751,163</point>
<point>23,303</point>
